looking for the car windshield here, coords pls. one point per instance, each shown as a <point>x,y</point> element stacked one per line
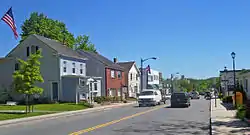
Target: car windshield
<point>146,93</point>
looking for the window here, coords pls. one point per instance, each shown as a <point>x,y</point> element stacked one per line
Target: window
<point>16,66</point>
<point>73,68</point>
<point>82,82</point>
<point>95,86</point>
<point>131,76</point>
<point>64,66</point>
<point>112,72</point>
<point>81,69</point>
<point>28,51</point>
<point>137,77</point>
<point>119,74</point>
<point>150,78</point>
<point>37,48</point>
<point>33,49</point>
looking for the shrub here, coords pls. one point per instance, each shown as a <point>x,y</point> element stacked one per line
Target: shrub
<point>220,96</point>
<point>86,104</point>
<point>227,99</point>
<point>248,109</point>
<point>241,111</point>
<point>99,100</point>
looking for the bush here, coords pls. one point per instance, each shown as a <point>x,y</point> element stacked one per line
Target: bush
<point>248,109</point>
<point>220,96</point>
<point>227,99</point>
<point>87,104</point>
<point>241,112</point>
<point>99,100</point>
<point>125,101</point>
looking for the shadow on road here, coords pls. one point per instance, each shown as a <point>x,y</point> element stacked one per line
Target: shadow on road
<point>172,127</point>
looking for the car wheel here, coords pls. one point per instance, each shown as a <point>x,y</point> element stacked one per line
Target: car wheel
<point>159,103</point>
<point>140,105</point>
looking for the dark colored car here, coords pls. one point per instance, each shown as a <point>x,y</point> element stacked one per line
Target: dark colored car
<point>207,95</point>
<point>180,99</point>
<point>202,93</point>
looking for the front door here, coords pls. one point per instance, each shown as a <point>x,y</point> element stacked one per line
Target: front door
<point>55,91</point>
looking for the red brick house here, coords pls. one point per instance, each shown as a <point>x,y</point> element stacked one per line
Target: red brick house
<point>115,79</point>
<point>112,74</point>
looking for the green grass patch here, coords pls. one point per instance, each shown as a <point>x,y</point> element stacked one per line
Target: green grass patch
<point>5,116</point>
<point>48,107</point>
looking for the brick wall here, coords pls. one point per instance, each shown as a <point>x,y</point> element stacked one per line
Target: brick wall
<point>114,83</point>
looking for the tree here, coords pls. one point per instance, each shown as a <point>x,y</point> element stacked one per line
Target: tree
<point>41,25</point>
<point>185,85</point>
<point>82,42</point>
<point>27,76</point>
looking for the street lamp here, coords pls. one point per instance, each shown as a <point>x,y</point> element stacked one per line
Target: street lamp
<point>226,80</point>
<point>143,60</point>
<point>233,57</point>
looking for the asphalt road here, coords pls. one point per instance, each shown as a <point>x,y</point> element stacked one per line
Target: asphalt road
<point>130,120</point>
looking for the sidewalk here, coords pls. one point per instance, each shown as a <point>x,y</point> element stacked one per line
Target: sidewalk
<point>224,121</point>
<point>63,114</point>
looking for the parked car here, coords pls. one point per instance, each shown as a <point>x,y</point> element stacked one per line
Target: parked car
<point>150,97</point>
<point>180,99</point>
<point>202,93</point>
<point>207,95</point>
<point>195,95</point>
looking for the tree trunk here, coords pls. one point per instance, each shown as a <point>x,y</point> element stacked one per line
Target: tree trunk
<point>26,99</point>
<point>29,102</point>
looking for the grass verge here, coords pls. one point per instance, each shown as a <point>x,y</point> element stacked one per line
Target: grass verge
<point>5,116</point>
<point>48,107</point>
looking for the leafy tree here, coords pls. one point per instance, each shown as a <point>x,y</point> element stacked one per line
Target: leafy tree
<point>82,42</point>
<point>185,85</point>
<point>27,76</point>
<point>44,26</point>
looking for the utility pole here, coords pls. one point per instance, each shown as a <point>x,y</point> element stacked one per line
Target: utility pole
<point>141,74</point>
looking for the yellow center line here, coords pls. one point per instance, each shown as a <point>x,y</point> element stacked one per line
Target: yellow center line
<point>114,121</point>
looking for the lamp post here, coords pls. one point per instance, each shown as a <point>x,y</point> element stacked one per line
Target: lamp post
<point>143,60</point>
<point>225,70</point>
<point>233,57</point>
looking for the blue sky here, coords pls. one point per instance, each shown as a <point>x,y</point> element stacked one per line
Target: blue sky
<point>192,37</point>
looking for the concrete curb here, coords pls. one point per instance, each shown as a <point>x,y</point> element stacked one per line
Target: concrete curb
<point>247,121</point>
<point>61,114</point>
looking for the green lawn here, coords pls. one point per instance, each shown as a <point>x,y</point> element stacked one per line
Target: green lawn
<point>48,107</point>
<point>5,116</point>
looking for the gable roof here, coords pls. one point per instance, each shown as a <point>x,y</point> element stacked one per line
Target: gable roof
<point>127,65</point>
<point>54,45</point>
<point>108,63</point>
<point>59,47</point>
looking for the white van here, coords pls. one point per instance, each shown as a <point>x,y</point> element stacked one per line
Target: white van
<point>150,97</point>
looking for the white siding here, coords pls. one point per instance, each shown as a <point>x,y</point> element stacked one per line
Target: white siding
<point>155,77</point>
<point>133,82</point>
<point>246,85</point>
<point>69,66</point>
<point>49,62</point>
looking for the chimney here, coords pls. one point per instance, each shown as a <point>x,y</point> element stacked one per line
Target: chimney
<point>115,60</point>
